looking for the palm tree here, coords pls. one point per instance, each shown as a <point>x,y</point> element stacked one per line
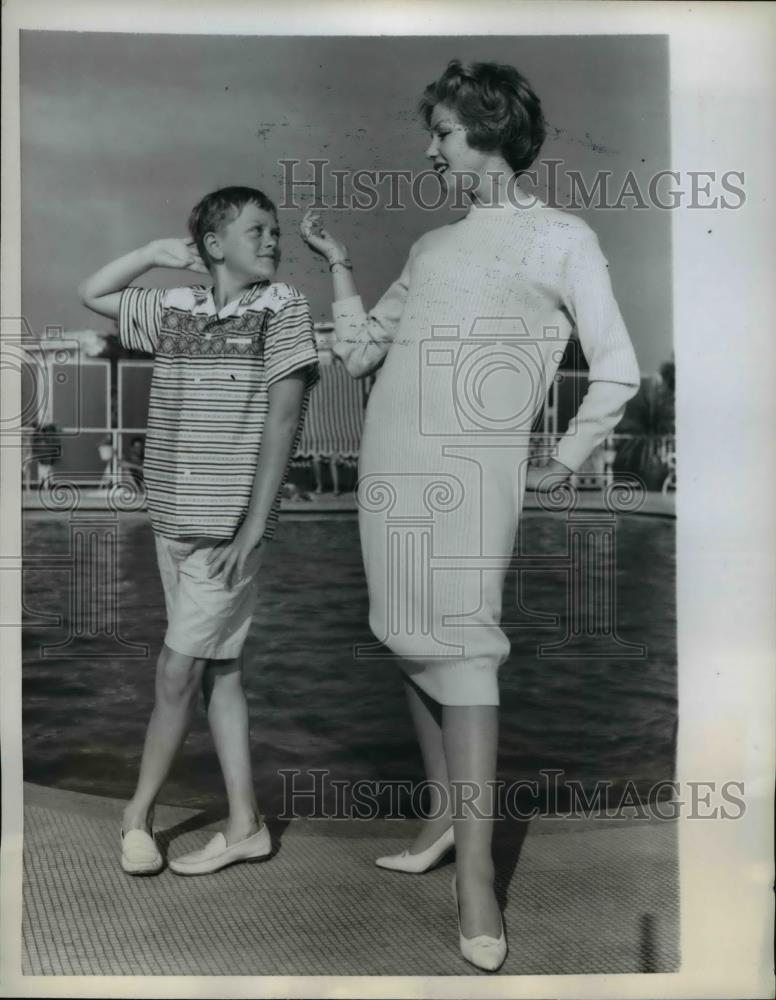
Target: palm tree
<point>649,420</point>
<point>114,351</point>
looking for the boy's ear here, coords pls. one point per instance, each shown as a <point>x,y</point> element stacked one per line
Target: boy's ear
<point>213,246</point>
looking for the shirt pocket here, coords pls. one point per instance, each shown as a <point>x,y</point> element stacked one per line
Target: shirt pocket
<point>243,344</point>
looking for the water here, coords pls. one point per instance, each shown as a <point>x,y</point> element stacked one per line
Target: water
<point>312,705</point>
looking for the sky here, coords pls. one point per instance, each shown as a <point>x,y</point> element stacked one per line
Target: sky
<point>122,134</point>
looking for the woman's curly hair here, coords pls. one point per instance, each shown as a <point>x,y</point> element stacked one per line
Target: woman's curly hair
<point>496,104</point>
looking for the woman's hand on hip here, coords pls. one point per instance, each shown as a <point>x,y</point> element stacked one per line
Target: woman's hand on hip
<point>543,478</point>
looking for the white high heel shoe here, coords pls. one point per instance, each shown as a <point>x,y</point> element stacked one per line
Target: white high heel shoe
<point>423,860</point>
<point>485,952</point>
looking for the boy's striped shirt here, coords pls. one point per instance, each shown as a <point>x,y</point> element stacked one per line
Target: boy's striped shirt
<point>210,396</point>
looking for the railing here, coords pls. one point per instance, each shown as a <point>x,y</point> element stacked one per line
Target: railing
<point>599,469</point>
<point>95,450</point>
<point>110,468</point>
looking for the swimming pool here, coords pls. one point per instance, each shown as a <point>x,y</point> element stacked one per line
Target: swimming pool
<point>312,704</point>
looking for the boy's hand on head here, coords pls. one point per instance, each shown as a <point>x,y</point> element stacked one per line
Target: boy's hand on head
<point>230,558</point>
<point>178,253</point>
<point>318,239</point>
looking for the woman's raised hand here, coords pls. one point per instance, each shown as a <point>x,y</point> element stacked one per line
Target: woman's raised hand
<point>321,241</point>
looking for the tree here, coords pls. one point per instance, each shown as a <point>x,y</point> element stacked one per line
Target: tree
<point>649,420</point>
<point>114,351</point>
<point>668,375</point>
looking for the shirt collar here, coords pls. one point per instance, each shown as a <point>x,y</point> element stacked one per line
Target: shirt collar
<point>204,303</point>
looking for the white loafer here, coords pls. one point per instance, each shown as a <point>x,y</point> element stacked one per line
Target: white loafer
<point>423,860</point>
<point>217,854</point>
<point>139,853</point>
<point>485,952</point>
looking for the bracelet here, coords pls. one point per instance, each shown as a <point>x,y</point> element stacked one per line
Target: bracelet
<point>346,262</point>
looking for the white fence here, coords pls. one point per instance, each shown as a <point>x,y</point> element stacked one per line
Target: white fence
<point>96,427</point>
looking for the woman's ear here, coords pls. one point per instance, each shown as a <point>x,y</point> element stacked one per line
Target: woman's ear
<point>213,247</point>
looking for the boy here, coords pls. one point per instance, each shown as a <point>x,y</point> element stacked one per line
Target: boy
<point>234,366</point>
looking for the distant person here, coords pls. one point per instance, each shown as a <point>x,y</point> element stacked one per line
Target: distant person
<point>467,340</point>
<point>292,492</point>
<point>133,463</point>
<point>234,365</point>
<point>46,449</point>
<point>106,453</point>
<point>333,462</point>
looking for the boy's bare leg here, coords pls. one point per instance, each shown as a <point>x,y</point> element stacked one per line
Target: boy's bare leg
<point>227,712</point>
<point>178,679</point>
<point>427,719</point>
<point>470,734</point>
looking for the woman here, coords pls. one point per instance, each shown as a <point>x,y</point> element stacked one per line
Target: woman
<point>468,340</point>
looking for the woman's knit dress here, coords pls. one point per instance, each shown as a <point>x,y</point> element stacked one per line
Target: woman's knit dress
<point>470,337</point>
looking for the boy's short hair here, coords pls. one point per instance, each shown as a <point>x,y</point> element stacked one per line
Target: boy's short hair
<point>496,104</point>
<point>220,207</point>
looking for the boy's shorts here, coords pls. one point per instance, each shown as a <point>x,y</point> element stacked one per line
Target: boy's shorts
<point>205,618</point>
